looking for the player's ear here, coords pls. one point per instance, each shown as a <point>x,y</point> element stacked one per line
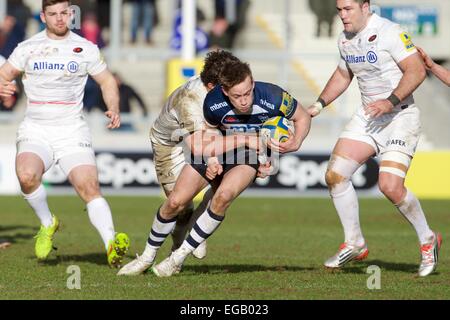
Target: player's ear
<point>366,7</point>
<point>42,16</point>
<point>210,86</point>
<point>224,92</point>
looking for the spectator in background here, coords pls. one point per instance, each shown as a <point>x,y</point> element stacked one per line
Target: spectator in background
<point>143,13</point>
<point>85,5</point>
<point>223,33</point>
<point>325,11</point>
<point>11,34</point>
<point>90,29</point>
<point>127,94</point>
<point>20,11</point>
<point>92,96</point>
<point>104,13</point>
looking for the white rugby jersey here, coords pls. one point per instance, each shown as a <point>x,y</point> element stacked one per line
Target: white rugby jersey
<point>55,74</point>
<point>2,60</point>
<point>183,110</point>
<point>372,56</point>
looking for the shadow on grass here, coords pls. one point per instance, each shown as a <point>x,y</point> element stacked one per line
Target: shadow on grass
<point>241,268</point>
<point>28,233</point>
<point>56,259</point>
<point>361,267</point>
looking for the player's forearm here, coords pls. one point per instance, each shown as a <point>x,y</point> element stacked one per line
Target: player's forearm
<point>441,73</point>
<point>302,127</point>
<point>110,93</point>
<point>218,145</point>
<point>338,83</point>
<point>8,73</point>
<point>203,143</point>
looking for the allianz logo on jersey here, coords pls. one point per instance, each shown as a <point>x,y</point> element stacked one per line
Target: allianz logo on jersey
<point>370,57</point>
<point>72,66</point>
<point>218,106</point>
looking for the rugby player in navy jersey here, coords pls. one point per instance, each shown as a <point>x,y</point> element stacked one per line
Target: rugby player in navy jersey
<point>239,105</point>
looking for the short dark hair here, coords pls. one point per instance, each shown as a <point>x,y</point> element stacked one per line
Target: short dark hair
<point>361,2</point>
<point>48,3</point>
<point>215,61</point>
<point>235,72</point>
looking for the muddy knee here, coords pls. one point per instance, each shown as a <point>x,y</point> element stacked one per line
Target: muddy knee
<point>339,173</point>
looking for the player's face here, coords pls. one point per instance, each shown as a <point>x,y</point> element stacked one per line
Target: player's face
<point>353,15</point>
<point>57,18</point>
<point>241,95</point>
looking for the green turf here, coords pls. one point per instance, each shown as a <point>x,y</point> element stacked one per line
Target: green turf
<point>265,249</point>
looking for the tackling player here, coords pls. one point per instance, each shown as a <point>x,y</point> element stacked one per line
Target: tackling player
<point>238,104</point>
<point>388,68</point>
<point>55,65</point>
<point>181,117</point>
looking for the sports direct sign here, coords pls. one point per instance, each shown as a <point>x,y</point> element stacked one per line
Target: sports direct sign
<point>297,174</point>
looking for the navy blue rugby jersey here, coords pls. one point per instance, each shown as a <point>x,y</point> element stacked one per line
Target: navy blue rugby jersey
<point>269,101</point>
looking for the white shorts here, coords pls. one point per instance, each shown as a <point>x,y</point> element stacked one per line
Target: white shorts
<point>169,161</point>
<point>69,145</point>
<point>398,131</point>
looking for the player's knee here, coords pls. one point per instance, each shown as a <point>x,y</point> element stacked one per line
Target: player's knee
<point>89,190</point>
<point>28,179</point>
<point>174,204</point>
<point>333,179</point>
<point>339,172</point>
<point>391,189</point>
<point>223,198</point>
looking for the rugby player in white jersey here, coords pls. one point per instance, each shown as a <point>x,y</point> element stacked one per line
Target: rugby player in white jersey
<point>388,68</point>
<point>54,65</point>
<point>439,71</point>
<point>180,119</point>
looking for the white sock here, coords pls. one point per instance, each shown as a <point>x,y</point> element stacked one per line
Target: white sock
<point>410,208</point>
<point>38,202</point>
<point>347,207</point>
<point>149,253</point>
<point>205,226</point>
<point>101,218</point>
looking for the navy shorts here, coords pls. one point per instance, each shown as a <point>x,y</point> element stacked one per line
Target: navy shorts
<point>228,161</point>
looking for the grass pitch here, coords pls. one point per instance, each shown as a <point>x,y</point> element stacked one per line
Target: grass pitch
<point>265,249</point>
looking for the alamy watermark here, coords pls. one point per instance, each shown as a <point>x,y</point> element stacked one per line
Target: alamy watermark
<point>74,280</point>
<point>75,22</point>
<point>374,281</point>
